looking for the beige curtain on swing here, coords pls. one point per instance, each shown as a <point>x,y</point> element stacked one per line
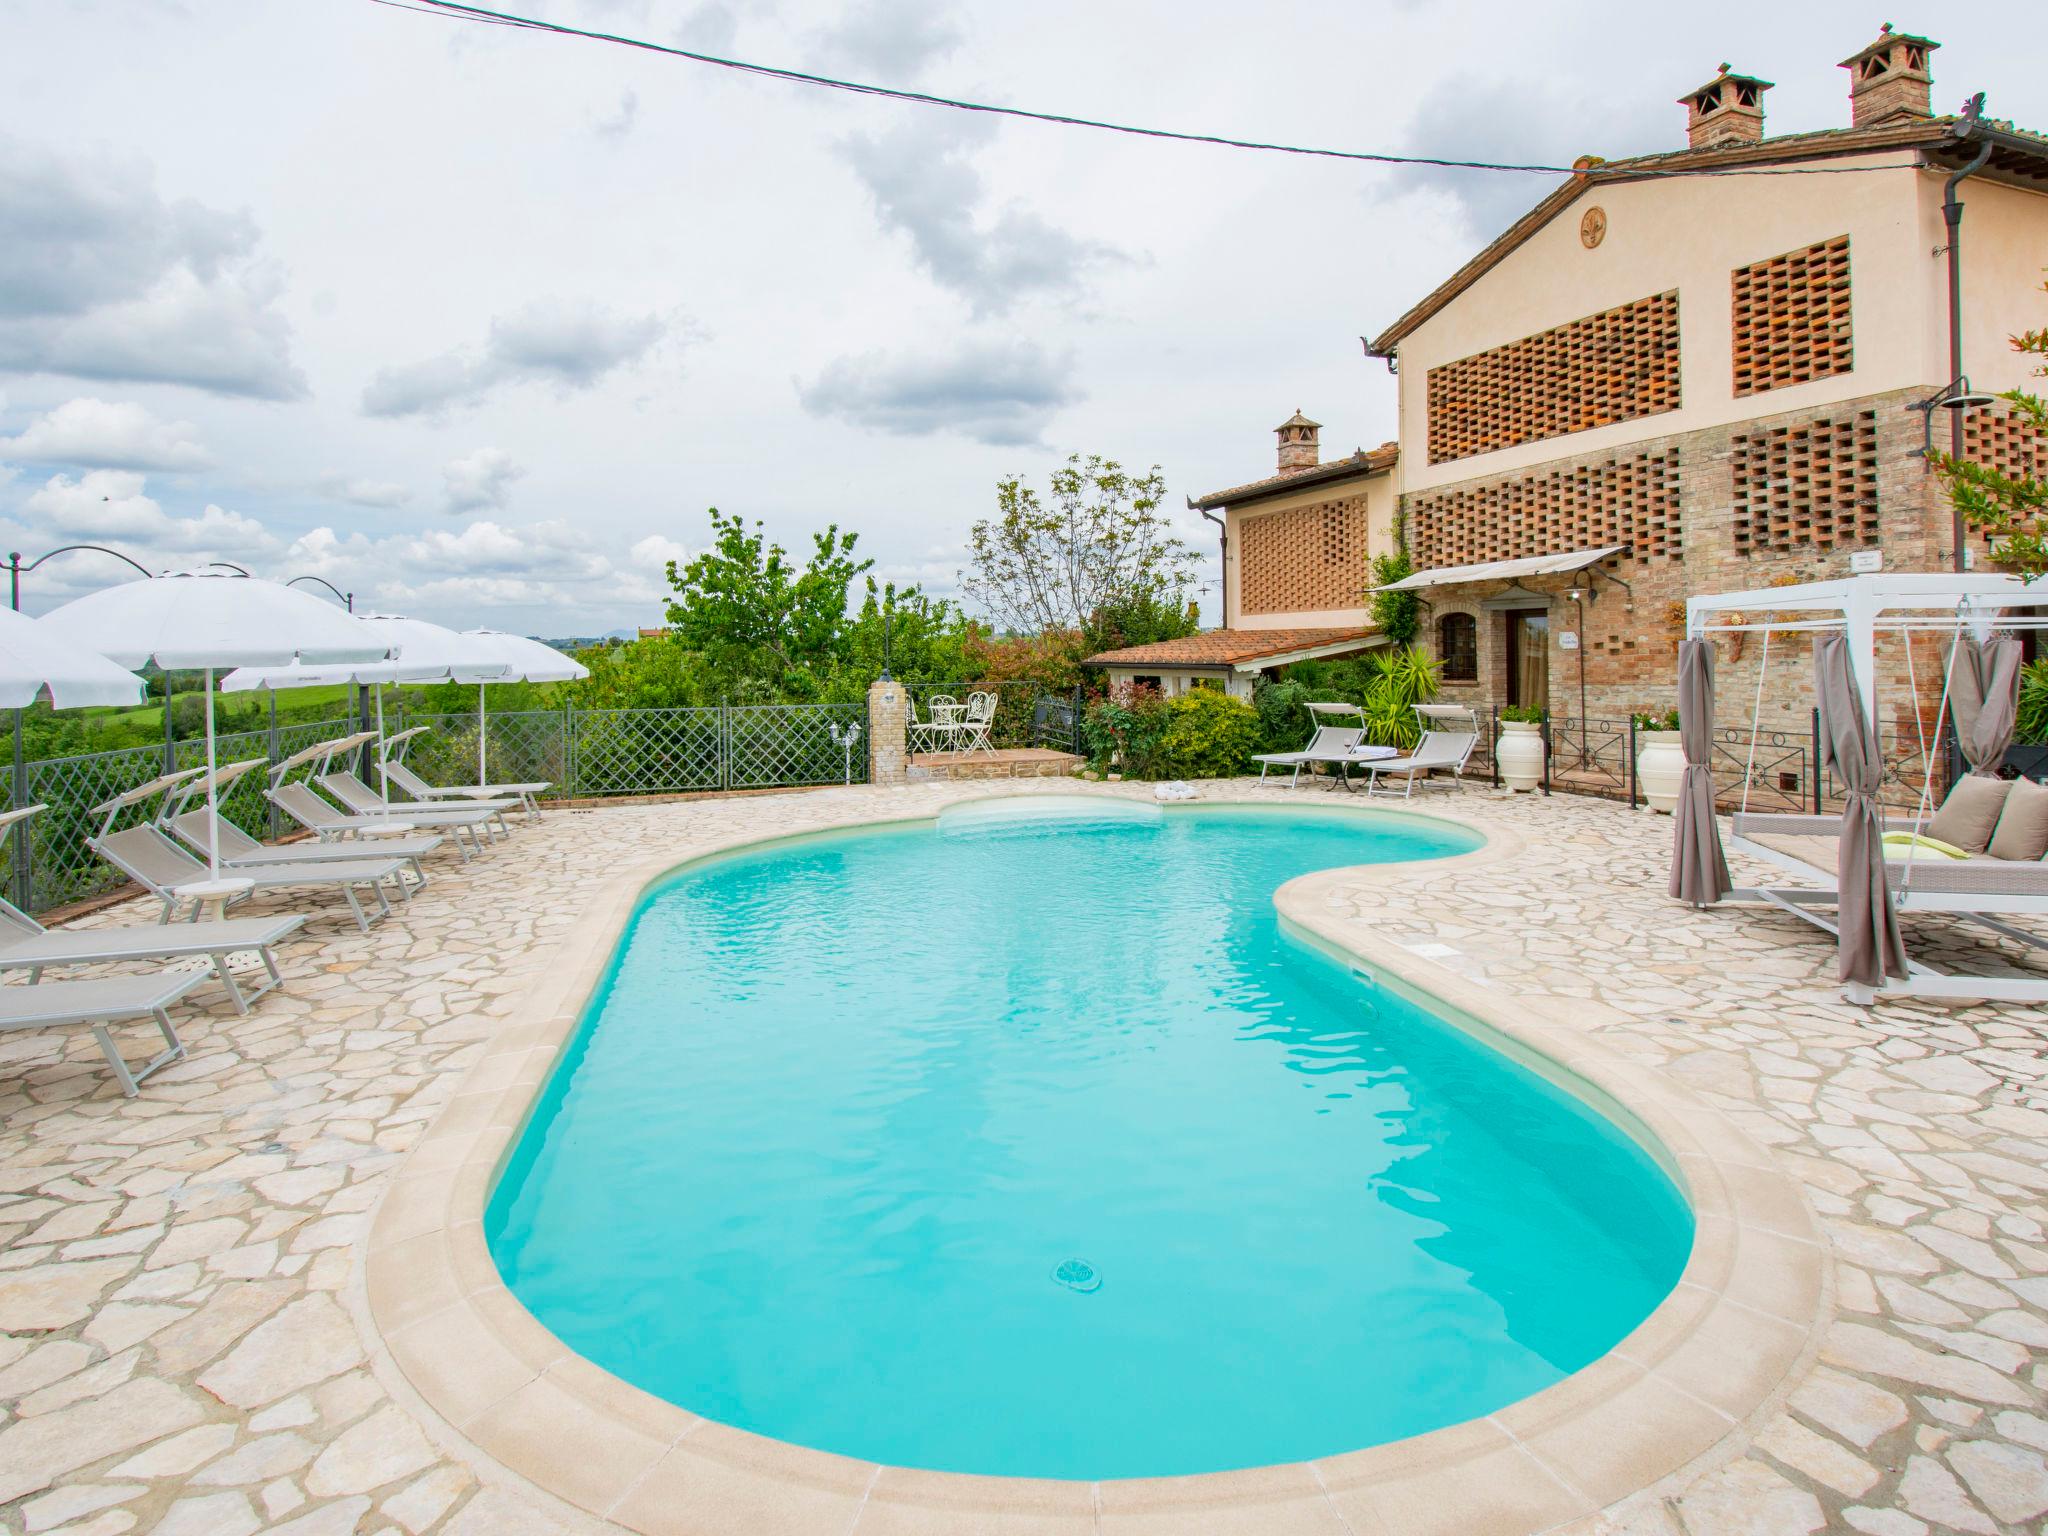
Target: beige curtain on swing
<point>1984,695</point>
<point>1870,946</point>
<point>1699,869</point>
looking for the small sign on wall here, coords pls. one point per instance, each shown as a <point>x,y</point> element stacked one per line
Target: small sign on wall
<point>1864,562</point>
<point>1567,640</point>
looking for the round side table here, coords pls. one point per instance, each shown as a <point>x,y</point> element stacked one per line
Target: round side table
<point>210,898</point>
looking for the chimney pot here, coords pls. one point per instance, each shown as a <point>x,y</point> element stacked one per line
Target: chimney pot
<point>1300,443</point>
<point>1890,78</point>
<point>1728,109</point>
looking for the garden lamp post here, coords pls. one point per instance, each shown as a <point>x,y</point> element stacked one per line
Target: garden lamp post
<point>346,599</point>
<point>845,742</point>
<point>16,570</point>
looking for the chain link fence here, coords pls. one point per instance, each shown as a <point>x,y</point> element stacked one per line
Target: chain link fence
<point>578,753</point>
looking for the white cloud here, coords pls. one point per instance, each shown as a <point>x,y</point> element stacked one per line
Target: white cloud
<point>997,392</point>
<point>112,506</point>
<point>924,184</point>
<point>655,552</point>
<point>99,434</point>
<point>569,346</point>
<point>889,42</point>
<point>100,278</point>
<point>481,479</point>
<point>618,122</point>
<point>362,492</point>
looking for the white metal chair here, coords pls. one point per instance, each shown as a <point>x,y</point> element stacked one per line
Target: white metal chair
<point>1438,750</point>
<point>979,720</point>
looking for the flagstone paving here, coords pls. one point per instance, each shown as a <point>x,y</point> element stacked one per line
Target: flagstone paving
<point>183,1347</point>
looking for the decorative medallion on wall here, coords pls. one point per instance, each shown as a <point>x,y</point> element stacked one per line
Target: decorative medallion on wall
<point>1593,227</point>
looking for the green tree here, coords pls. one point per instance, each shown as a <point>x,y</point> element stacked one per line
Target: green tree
<point>1139,619</point>
<point>1394,612</point>
<point>1095,542</point>
<point>2012,508</point>
<point>760,621</point>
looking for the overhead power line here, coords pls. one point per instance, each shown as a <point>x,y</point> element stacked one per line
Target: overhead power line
<point>453,10</point>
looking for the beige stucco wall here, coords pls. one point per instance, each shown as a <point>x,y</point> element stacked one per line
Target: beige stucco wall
<point>2005,262</point>
<point>1380,495</point>
<point>1690,234</point>
<point>1174,681</point>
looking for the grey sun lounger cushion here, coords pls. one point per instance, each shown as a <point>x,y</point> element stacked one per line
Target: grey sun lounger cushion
<point>99,1003</point>
<point>362,800</point>
<point>27,945</point>
<point>239,849</point>
<point>1813,841</point>
<point>153,861</point>
<point>331,825</point>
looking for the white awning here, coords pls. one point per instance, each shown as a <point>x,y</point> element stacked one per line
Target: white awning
<point>1505,570</point>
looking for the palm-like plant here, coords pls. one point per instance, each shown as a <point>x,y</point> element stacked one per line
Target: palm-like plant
<point>1399,680</point>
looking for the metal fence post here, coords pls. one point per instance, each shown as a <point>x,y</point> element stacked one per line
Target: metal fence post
<point>568,747</point>
<point>270,807</point>
<point>725,746</point>
<point>1493,745</point>
<point>1544,732</point>
<point>170,730</point>
<point>1631,762</point>
<point>1814,745</point>
<point>24,841</point>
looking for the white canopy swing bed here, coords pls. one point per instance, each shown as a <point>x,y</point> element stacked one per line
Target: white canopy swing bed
<point>1846,863</point>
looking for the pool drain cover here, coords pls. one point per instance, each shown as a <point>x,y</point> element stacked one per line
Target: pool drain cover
<point>1078,1275</point>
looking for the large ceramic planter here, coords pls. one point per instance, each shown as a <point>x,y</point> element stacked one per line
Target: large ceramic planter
<point>1660,768</point>
<point>1520,754</point>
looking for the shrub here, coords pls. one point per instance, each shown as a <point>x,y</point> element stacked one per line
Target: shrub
<point>1124,734</point>
<point>1400,680</point>
<point>1522,714</point>
<point>1647,721</point>
<point>1209,735</point>
<point>1283,722</point>
<point>2031,724</point>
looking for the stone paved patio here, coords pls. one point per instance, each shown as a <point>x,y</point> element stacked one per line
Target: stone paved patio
<point>183,1346</point>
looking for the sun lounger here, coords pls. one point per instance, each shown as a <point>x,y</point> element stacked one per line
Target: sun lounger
<point>399,772</point>
<point>26,944</point>
<point>1978,889</point>
<point>160,866</point>
<point>1329,744</point>
<point>503,797</point>
<point>240,852</point>
<point>1436,751</point>
<point>99,1004</point>
<point>332,826</point>
<point>361,800</point>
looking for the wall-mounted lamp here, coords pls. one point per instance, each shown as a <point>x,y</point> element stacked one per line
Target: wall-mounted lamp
<point>1956,395</point>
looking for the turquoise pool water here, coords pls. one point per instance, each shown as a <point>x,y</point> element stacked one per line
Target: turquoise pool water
<point>1040,1149</point>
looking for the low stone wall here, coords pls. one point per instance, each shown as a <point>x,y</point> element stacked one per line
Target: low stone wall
<point>1011,763</point>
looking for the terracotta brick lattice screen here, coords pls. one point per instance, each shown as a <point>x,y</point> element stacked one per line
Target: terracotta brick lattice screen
<point>1808,486</point>
<point>2004,442</point>
<point>1303,560</point>
<point>1632,501</point>
<point>1613,366</point>
<point>1792,318</point>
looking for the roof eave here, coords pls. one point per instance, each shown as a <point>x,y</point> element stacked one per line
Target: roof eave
<point>1926,134</point>
<point>1355,466</point>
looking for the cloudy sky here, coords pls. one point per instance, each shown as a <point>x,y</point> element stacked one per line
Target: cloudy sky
<point>476,323</point>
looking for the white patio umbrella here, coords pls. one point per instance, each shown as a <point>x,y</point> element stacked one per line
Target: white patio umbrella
<point>210,620</point>
<point>525,661</point>
<point>37,663</point>
<point>420,652</point>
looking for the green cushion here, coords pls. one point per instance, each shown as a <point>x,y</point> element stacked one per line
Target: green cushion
<point>1921,843</point>
<point>2022,830</point>
<point>1969,815</point>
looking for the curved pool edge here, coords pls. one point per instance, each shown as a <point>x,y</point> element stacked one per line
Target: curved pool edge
<point>1683,1389</point>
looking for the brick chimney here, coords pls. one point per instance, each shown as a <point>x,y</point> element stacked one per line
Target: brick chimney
<point>1890,79</point>
<point>1728,109</point>
<point>1300,444</point>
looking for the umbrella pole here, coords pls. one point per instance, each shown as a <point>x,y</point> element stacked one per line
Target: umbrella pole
<point>383,783</point>
<point>480,771</point>
<point>212,791</point>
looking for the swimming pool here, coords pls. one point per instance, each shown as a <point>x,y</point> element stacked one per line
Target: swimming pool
<point>1039,1148</point>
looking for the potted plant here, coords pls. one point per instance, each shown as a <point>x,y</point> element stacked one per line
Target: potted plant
<point>1660,760</point>
<point>1519,752</point>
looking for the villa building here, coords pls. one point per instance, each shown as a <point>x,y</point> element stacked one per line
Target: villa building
<point>1659,382</point>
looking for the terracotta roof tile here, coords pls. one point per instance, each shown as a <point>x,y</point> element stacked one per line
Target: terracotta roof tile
<point>1225,647</point>
<point>1374,461</point>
